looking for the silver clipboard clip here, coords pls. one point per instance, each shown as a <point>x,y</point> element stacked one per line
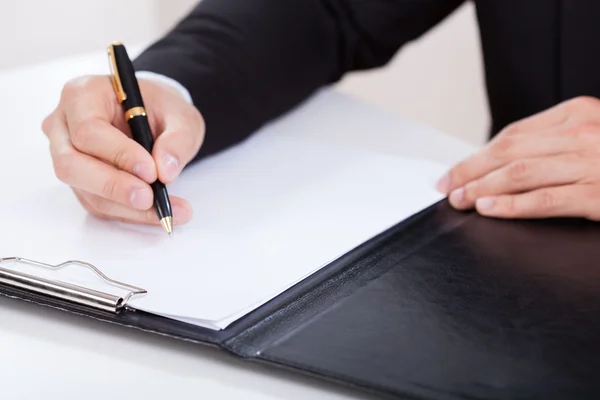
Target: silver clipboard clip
<point>66,291</point>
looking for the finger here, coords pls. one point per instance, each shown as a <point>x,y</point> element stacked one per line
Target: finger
<point>89,174</point>
<point>107,209</point>
<point>90,107</point>
<point>504,150</point>
<point>96,177</point>
<point>99,139</point>
<point>543,120</point>
<point>177,145</point>
<point>581,108</point>
<point>519,176</point>
<point>86,173</point>
<point>580,200</point>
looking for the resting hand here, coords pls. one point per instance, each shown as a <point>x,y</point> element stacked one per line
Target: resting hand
<point>110,174</point>
<point>547,165</point>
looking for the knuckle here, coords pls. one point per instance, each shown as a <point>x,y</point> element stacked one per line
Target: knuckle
<point>503,146</point>
<point>80,135</point>
<point>547,201</point>
<point>582,103</point>
<point>510,129</point>
<point>518,170</point>
<point>110,188</point>
<point>63,167</point>
<point>471,191</point>
<point>83,85</point>
<point>509,206</point>
<point>74,86</point>
<point>457,173</point>
<point>47,124</point>
<point>120,158</point>
<point>588,130</point>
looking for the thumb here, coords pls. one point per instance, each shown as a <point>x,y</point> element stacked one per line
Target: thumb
<point>175,147</point>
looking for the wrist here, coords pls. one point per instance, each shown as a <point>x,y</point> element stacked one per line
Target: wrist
<point>165,80</point>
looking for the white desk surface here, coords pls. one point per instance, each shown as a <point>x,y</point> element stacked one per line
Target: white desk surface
<point>50,354</point>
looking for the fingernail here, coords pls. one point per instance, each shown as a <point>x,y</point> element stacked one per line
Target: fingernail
<point>141,199</point>
<point>444,183</point>
<point>143,172</point>
<point>170,166</point>
<point>456,197</point>
<point>484,203</point>
<point>181,214</point>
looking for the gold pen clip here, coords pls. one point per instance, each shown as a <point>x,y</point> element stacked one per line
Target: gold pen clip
<point>116,80</point>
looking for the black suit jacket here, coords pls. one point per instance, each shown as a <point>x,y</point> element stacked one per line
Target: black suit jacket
<point>248,61</point>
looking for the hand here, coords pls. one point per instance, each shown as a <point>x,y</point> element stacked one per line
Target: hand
<point>547,165</point>
<point>109,173</point>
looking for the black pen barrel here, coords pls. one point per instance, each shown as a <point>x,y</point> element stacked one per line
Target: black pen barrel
<point>129,95</point>
<point>142,134</point>
<point>161,200</point>
<point>140,130</point>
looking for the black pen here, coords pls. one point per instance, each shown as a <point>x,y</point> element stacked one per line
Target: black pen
<point>129,95</point>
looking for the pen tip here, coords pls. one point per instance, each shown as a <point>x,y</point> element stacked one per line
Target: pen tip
<point>171,235</point>
<point>167,223</point>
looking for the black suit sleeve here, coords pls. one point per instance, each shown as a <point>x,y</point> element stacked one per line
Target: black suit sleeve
<point>246,62</point>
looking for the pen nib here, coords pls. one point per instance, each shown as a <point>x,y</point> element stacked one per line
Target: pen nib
<point>171,235</point>
<point>167,223</point>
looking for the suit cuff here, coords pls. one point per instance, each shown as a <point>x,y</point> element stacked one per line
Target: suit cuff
<point>153,76</point>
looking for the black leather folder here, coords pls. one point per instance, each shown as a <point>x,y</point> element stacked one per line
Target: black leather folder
<point>445,305</point>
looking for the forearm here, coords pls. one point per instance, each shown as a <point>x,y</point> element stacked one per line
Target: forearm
<point>247,62</point>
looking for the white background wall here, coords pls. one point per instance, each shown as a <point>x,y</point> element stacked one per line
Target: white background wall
<point>437,80</point>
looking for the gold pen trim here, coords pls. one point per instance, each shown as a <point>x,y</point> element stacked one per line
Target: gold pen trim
<point>167,223</point>
<point>134,112</point>
<point>115,78</point>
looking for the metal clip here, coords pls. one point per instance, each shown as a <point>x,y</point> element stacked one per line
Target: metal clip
<point>65,291</point>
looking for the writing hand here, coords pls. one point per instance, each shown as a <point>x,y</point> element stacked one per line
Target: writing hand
<point>92,150</point>
<point>547,165</point>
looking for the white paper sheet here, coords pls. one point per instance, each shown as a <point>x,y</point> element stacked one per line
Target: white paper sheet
<point>268,213</point>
